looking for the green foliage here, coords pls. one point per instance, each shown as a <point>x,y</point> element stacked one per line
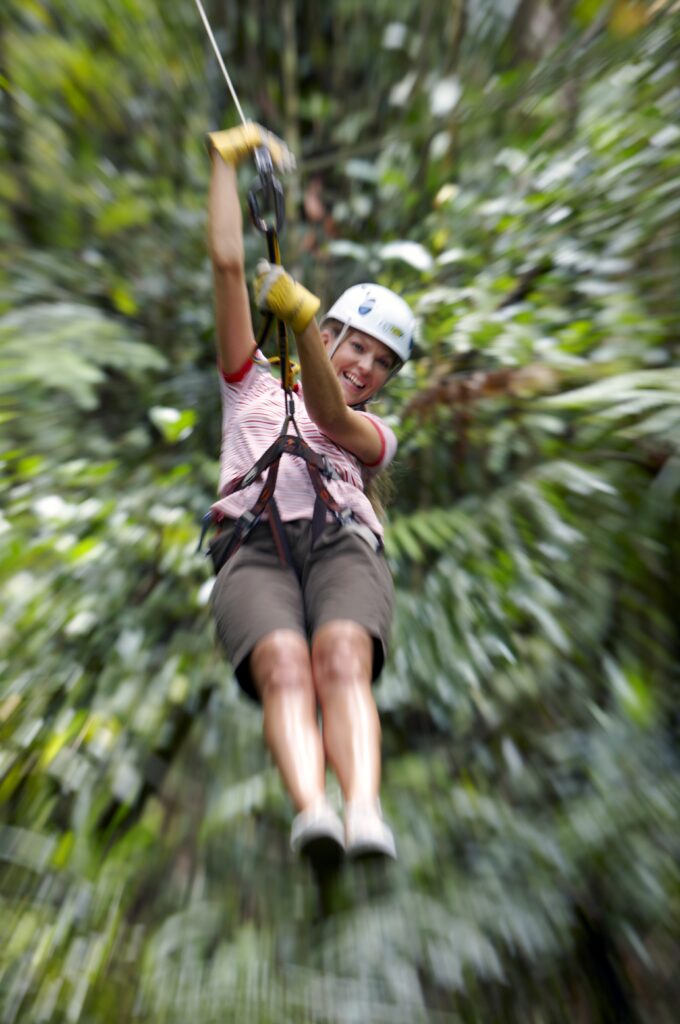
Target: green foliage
<point>529,707</point>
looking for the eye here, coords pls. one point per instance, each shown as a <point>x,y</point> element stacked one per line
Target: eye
<point>357,346</point>
<point>385,363</point>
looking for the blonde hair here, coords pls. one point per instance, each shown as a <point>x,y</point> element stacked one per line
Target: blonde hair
<point>379,489</point>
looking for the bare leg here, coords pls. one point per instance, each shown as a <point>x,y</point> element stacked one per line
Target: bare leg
<point>342,659</point>
<point>342,654</point>
<point>281,668</point>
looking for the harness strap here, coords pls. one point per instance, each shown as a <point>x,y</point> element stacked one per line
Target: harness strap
<point>325,501</point>
<point>319,517</point>
<point>288,444</point>
<point>279,534</point>
<point>249,520</point>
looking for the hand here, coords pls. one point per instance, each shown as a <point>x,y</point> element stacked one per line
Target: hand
<point>234,144</point>
<point>277,293</point>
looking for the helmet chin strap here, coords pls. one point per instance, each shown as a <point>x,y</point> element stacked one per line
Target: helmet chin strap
<point>340,338</point>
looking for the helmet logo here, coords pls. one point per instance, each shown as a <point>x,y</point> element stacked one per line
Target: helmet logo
<point>391,328</point>
<point>367,305</point>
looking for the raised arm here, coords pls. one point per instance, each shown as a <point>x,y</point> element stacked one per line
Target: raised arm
<point>235,338</point>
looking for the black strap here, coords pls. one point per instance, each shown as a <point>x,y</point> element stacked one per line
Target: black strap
<point>249,520</point>
<point>319,519</point>
<point>279,534</point>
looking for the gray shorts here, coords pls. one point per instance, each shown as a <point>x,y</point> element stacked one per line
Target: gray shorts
<point>341,577</point>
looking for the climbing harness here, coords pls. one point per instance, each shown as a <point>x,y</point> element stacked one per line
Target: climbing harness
<point>266,200</point>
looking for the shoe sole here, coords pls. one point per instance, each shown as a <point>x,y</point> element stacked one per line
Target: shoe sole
<point>323,852</point>
<point>370,855</point>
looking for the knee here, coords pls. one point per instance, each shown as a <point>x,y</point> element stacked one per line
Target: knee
<point>342,652</point>
<point>280,663</point>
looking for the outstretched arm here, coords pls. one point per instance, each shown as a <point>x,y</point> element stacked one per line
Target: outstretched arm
<point>235,338</point>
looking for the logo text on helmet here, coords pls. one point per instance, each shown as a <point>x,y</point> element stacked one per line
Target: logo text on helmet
<point>390,328</point>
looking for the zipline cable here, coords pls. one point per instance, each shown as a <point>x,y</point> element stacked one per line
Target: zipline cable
<point>227,79</point>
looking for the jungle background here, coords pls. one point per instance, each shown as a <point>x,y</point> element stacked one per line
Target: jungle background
<point>511,167</point>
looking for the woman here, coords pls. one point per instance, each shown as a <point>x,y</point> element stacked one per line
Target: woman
<point>310,635</point>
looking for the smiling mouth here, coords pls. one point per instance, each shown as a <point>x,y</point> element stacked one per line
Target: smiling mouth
<point>356,384</point>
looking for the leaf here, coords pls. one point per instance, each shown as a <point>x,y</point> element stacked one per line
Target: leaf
<point>445,95</point>
<point>400,539</point>
<point>410,252</point>
<point>174,424</point>
<point>342,247</point>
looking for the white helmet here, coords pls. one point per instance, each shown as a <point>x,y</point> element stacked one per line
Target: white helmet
<point>378,312</point>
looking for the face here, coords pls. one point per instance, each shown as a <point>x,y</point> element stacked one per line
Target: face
<point>362,365</point>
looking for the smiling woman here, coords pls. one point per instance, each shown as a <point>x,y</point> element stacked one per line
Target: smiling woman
<point>362,365</point>
<point>303,607</point>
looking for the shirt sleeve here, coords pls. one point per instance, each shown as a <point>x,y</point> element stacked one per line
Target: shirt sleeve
<point>239,387</point>
<point>388,443</point>
<point>237,377</point>
<point>255,360</point>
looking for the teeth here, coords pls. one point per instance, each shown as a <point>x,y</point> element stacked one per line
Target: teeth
<point>354,381</point>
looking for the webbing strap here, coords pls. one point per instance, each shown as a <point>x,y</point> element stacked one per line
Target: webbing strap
<point>249,520</point>
<point>287,375</point>
<point>279,534</point>
<point>288,444</point>
<point>323,494</point>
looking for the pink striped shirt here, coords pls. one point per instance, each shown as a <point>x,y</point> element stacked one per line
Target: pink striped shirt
<point>252,415</point>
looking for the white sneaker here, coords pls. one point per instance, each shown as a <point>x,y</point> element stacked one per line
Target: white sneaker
<point>366,833</point>
<point>317,833</point>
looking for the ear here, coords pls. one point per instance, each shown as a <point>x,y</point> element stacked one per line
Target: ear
<point>327,337</point>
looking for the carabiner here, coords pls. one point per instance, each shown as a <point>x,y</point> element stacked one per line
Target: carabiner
<point>268,185</point>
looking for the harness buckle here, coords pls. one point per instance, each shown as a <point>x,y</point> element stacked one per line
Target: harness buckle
<point>328,469</point>
<point>206,523</point>
<point>250,476</point>
<point>249,519</point>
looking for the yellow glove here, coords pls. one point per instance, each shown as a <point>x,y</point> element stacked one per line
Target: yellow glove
<point>233,144</point>
<point>278,293</point>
